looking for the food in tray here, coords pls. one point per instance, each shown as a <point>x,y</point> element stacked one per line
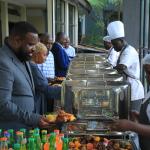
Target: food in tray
<point>104,104</point>
<point>61,116</point>
<point>57,84</point>
<point>64,117</point>
<point>60,78</point>
<point>51,117</point>
<point>76,127</point>
<point>98,143</point>
<point>57,81</point>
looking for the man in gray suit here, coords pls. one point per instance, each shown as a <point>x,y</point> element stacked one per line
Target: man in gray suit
<point>16,84</point>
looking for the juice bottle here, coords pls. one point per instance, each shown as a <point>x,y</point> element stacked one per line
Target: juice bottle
<point>19,137</point>
<point>31,132</point>
<point>17,146</point>
<point>46,146</point>
<point>31,144</point>
<point>65,143</point>
<point>52,141</point>
<point>23,130</point>
<point>0,133</point>
<point>57,139</point>
<point>44,136</point>
<point>37,131</point>
<point>3,143</point>
<point>38,142</point>
<point>7,135</point>
<point>56,131</point>
<point>59,142</point>
<point>24,140</point>
<point>11,140</point>
<point>20,140</point>
<point>23,144</point>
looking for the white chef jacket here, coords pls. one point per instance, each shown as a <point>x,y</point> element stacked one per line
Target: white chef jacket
<point>130,58</point>
<point>113,57</point>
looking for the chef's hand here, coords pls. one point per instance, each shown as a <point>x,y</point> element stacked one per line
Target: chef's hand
<point>44,122</point>
<point>134,116</point>
<point>120,68</point>
<point>122,125</point>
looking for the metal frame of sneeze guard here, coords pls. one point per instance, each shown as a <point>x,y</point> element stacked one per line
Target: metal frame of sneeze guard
<point>96,77</point>
<point>119,97</point>
<point>90,57</point>
<point>91,65</point>
<point>92,71</point>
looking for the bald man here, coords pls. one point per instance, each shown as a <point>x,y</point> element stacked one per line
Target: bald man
<point>47,67</point>
<point>69,49</point>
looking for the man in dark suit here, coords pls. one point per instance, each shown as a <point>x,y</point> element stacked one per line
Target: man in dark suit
<point>16,84</point>
<point>61,58</point>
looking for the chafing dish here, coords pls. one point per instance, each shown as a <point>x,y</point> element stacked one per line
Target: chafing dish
<point>90,57</point>
<point>87,62</point>
<point>81,127</point>
<point>79,55</point>
<point>96,77</point>
<point>92,71</point>
<point>91,54</point>
<point>91,66</point>
<point>96,99</point>
<point>87,126</point>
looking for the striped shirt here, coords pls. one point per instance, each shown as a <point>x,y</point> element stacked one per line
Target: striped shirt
<point>47,67</point>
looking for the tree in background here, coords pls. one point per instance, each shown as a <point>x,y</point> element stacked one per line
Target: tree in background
<point>103,12</point>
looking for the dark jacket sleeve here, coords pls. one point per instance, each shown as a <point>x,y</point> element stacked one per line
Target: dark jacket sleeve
<point>41,84</point>
<point>60,56</point>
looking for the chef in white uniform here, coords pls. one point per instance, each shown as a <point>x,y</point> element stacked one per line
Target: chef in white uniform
<point>127,64</point>
<point>142,127</point>
<point>112,54</point>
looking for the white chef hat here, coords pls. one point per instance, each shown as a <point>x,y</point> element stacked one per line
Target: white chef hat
<point>146,60</point>
<point>107,38</point>
<point>116,30</point>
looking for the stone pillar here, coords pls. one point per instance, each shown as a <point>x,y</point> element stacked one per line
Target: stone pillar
<point>23,13</point>
<point>4,20</point>
<point>76,27</point>
<point>66,18</point>
<point>51,18</point>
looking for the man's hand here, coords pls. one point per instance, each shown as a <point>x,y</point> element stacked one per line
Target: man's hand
<point>44,122</point>
<point>134,116</point>
<point>122,125</point>
<point>120,68</point>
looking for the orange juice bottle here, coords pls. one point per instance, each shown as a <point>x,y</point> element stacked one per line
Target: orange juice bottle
<point>46,146</point>
<point>60,142</point>
<point>57,139</point>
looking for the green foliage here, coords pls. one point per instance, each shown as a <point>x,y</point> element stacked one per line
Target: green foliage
<point>94,40</point>
<point>98,30</point>
<point>102,3</point>
<point>98,3</point>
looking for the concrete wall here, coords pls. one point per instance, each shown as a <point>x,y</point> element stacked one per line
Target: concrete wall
<point>37,18</point>
<point>131,19</point>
